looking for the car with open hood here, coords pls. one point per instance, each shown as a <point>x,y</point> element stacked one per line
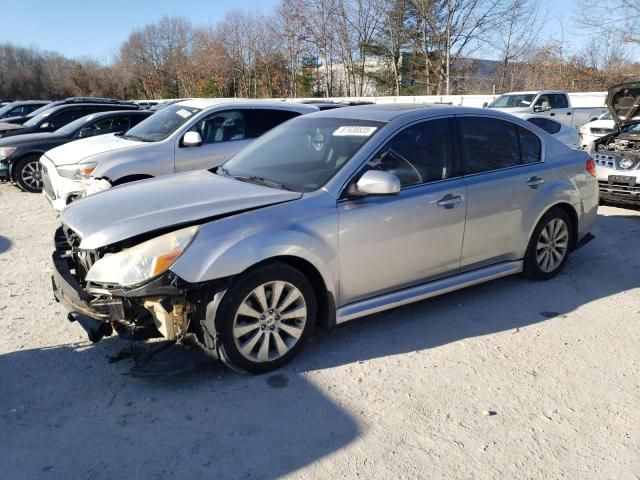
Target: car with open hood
<point>329,217</point>
<point>20,155</point>
<point>188,135</point>
<point>618,154</point>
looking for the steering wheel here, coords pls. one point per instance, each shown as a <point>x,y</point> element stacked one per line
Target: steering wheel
<point>411,166</point>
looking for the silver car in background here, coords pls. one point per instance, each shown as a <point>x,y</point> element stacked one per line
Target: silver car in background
<point>188,135</point>
<point>330,217</point>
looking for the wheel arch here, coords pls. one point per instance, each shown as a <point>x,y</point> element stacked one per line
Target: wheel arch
<point>326,314</point>
<point>570,210</point>
<point>14,162</point>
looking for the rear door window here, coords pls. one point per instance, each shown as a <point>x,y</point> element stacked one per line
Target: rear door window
<point>558,100</point>
<point>261,120</point>
<point>492,144</point>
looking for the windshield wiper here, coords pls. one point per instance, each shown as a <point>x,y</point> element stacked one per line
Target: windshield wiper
<point>261,181</point>
<point>133,137</point>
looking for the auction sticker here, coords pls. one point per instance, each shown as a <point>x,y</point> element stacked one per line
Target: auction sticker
<point>354,131</point>
<point>184,113</point>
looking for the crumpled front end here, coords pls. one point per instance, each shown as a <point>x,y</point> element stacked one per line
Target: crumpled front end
<point>166,306</point>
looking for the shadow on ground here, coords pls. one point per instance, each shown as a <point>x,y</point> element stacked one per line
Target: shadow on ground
<point>5,244</point>
<point>72,414</point>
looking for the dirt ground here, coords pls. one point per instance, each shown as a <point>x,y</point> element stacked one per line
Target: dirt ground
<point>511,379</point>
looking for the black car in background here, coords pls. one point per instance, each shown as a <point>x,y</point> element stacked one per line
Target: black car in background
<point>19,155</point>
<point>12,123</point>
<point>53,118</point>
<point>21,108</point>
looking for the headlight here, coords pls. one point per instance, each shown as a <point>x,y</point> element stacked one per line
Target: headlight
<point>77,171</point>
<point>6,151</point>
<point>142,262</point>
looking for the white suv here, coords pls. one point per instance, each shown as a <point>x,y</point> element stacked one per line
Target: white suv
<point>190,135</point>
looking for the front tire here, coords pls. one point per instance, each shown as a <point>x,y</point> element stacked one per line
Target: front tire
<point>265,318</point>
<point>28,174</point>
<point>549,246</point>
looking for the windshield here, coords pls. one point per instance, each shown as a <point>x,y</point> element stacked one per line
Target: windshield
<point>512,101</point>
<point>6,108</point>
<point>161,124</point>
<point>70,128</point>
<point>301,155</point>
<point>37,119</point>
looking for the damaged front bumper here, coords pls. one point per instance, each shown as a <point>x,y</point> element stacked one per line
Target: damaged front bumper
<point>166,306</point>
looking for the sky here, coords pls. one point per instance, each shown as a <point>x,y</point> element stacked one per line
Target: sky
<point>97,29</point>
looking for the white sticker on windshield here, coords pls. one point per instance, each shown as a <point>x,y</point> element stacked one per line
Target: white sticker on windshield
<point>354,131</point>
<point>184,113</point>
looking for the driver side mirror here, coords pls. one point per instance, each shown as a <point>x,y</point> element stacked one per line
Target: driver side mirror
<point>541,108</point>
<point>485,104</point>
<point>44,125</point>
<point>192,139</point>
<point>376,182</point>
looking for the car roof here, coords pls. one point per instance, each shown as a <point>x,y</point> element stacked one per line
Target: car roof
<point>115,112</point>
<point>30,102</point>
<point>205,103</point>
<point>123,106</point>
<point>389,111</point>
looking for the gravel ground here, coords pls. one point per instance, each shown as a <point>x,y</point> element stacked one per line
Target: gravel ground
<point>511,379</point>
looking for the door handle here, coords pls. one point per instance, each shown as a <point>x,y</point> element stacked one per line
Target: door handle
<point>533,182</point>
<point>450,200</point>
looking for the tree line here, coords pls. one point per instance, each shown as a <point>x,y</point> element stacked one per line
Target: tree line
<point>316,48</point>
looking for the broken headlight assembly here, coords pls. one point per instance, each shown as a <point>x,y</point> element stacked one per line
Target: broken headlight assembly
<point>143,261</point>
<point>77,171</point>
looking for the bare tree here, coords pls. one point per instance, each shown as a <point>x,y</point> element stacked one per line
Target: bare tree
<point>519,29</point>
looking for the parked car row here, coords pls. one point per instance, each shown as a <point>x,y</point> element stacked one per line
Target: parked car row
<point>326,217</point>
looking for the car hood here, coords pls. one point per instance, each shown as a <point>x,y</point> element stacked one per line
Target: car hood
<point>19,119</point>
<point>6,126</point>
<point>30,138</point>
<point>80,150</point>
<point>623,102</point>
<point>163,203</point>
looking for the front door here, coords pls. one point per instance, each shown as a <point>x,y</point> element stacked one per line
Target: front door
<point>224,133</point>
<point>391,242</point>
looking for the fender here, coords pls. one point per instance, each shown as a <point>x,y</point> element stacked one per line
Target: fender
<point>554,192</point>
<point>229,246</point>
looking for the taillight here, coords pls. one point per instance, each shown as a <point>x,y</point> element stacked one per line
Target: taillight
<point>590,167</point>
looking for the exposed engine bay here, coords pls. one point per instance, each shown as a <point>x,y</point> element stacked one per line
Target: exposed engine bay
<point>628,144</point>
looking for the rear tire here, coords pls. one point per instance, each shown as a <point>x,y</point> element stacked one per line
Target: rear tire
<point>549,246</point>
<point>265,318</point>
<point>28,174</point>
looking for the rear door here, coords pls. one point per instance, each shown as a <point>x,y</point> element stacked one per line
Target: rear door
<point>223,133</point>
<point>503,169</point>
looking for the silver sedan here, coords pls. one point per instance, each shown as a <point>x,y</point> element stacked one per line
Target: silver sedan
<point>330,217</point>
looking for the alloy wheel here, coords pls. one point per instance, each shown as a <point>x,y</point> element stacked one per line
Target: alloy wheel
<point>553,245</point>
<point>269,321</point>
<point>32,175</point>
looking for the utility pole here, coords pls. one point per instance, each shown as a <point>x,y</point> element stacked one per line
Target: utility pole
<point>448,43</point>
